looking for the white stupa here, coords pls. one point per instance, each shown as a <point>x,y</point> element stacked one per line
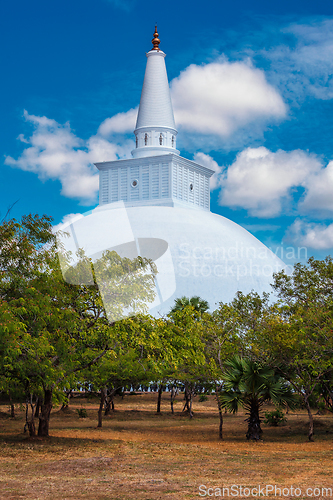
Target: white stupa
<point>157,205</point>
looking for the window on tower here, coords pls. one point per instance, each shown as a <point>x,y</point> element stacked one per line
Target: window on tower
<point>173,141</point>
<point>161,139</point>
<point>146,139</point>
<point>136,141</point>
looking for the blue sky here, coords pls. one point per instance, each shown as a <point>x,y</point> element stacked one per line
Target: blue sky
<point>252,88</point>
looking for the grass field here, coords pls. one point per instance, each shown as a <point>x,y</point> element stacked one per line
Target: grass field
<point>141,455</point>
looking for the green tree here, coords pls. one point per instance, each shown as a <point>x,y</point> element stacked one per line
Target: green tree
<point>63,327</point>
<point>131,362</point>
<point>299,334</point>
<point>200,305</point>
<point>114,372</point>
<point>187,329</point>
<point>222,341</point>
<point>250,384</point>
<point>252,311</point>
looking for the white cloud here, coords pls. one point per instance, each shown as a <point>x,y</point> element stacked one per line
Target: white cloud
<point>209,162</point>
<point>316,236</point>
<point>319,196</point>
<point>221,97</point>
<point>262,182</point>
<point>119,124</point>
<point>68,218</point>
<point>56,153</point>
<point>22,139</point>
<point>306,66</point>
<point>214,99</point>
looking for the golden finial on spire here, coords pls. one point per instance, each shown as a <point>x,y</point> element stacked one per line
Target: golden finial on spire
<point>156,41</point>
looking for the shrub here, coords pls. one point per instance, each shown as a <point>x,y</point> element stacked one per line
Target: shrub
<point>274,418</point>
<point>321,406</point>
<point>82,412</point>
<point>202,398</point>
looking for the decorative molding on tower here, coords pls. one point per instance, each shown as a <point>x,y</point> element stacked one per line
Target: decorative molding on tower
<point>163,180</point>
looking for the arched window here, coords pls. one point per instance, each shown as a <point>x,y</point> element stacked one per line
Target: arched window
<point>173,141</point>
<point>136,141</point>
<point>161,139</point>
<point>146,139</point>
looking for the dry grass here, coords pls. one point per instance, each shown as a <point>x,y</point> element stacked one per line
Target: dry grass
<point>141,455</point>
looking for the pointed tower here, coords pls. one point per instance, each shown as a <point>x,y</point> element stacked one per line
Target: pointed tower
<point>156,175</point>
<point>155,131</point>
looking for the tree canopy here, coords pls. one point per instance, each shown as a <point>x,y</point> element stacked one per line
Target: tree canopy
<point>65,325</point>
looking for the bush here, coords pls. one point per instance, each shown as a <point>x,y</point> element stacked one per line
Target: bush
<point>274,418</point>
<point>321,406</point>
<point>82,412</point>
<point>203,398</point>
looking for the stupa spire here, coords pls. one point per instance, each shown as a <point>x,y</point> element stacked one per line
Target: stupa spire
<point>155,130</point>
<point>156,41</point>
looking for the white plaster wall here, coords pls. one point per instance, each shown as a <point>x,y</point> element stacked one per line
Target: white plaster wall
<point>158,179</point>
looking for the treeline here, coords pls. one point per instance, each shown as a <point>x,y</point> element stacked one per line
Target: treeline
<point>55,335</point>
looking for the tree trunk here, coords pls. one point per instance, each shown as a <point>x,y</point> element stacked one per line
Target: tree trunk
<point>12,406</point>
<point>109,402</point>
<point>173,395</point>
<point>31,423</point>
<point>160,390</point>
<point>65,404</point>
<point>45,412</point>
<point>220,415</point>
<point>187,399</point>
<point>190,409</point>
<point>37,408</point>
<point>310,434</point>
<point>100,409</point>
<point>254,430</point>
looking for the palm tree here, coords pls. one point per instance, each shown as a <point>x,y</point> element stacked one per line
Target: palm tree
<point>250,384</point>
<point>196,302</point>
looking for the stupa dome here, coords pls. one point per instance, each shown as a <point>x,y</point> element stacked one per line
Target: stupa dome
<point>196,252</point>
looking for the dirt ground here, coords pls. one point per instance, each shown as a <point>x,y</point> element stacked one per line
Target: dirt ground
<point>139,454</point>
